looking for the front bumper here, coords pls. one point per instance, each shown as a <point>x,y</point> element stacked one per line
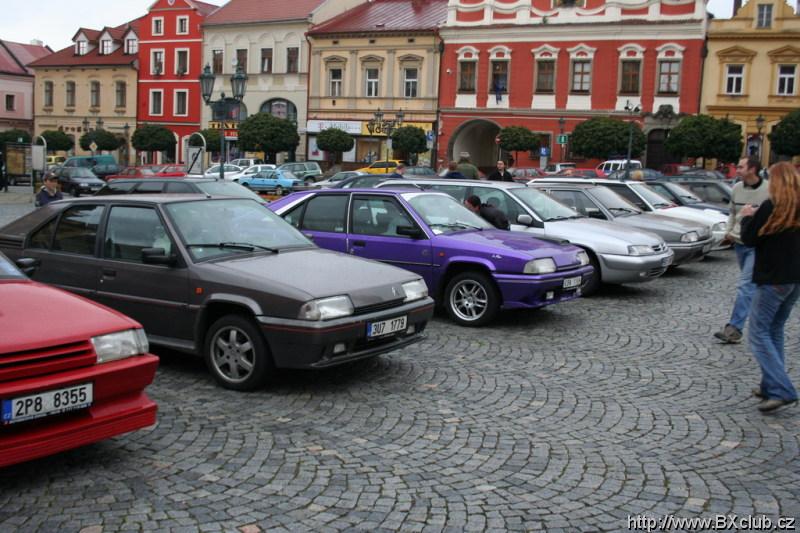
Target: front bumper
<point>634,268</point>
<point>307,344</point>
<point>689,252</point>
<point>520,291</point>
<point>717,238</point>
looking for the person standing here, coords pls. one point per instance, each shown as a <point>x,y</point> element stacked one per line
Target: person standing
<point>752,190</point>
<point>49,192</point>
<point>488,212</point>
<point>466,168</point>
<point>500,173</point>
<point>774,232</point>
<point>398,173</point>
<point>452,172</point>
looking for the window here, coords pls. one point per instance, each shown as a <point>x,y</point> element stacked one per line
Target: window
<point>121,93</point>
<point>95,94</point>
<point>131,46</point>
<point>157,62</point>
<point>130,230</point>
<point>241,59</point>
<point>70,96</point>
<point>466,76</point>
<point>179,188</point>
<point>326,213</point>
<point>216,61</point>
<point>181,103</point>
<point>77,230</point>
<point>786,76</point>
<point>48,94</point>
<point>410,82</point>
<point>764,16</point>
<point>156,101</point>
<point>629,84</point>
<point>581,76</point>
<point>668,77</point>
<point>181,62</point>
<point>379,216</point>
<point>292,60</point>
<point>81,47</point>
<point>545,76</point>
<point>149,187</point>
<point>372,80</point>
<point>280,108</point>
<point>183,25</point>
<point>335,76</point>
<point>105,47</point>
<point>629,195</point>
<point>158,26</point>
<point>11,102</point>
<point>499,77</point>
<point>733,79</point>
<point>266,60</point>
<point>43,236</point>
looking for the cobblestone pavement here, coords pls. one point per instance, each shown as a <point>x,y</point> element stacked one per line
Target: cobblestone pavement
<point>569,418</point>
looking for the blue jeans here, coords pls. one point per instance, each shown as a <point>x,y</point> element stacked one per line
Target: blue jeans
<point>745,256</point>
<point>772,305</point>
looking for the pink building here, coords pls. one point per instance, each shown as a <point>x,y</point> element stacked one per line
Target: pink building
<point>16,83</point>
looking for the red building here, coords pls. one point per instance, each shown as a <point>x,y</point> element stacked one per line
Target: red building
<point>549,65</point>
<point>170,63</point>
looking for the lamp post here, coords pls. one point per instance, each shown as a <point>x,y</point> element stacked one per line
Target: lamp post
<point>561,123</point>
<point>238,87</point>
<point>378,124</point>
<point>631,109</point>
<point>126,130</point>
<point>760,126</point>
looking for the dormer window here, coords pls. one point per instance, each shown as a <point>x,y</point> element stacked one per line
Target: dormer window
<point>105,47</point>
<point>81,48</point>
<point>131,46</point>
<point>764,16</point>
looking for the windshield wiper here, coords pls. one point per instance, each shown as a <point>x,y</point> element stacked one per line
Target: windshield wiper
<point>457,225</point>
<point>553,219</point>
<point>624,210</point>
<point>234,245</point>
<point>662,204</point>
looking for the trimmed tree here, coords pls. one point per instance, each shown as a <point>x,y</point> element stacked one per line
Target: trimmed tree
<point>212,140</point>
<point>603,137</point>
<point>785,138</point>
<point>58,141</point>
<point>335,142</point>
<point>105,140</point>
<point>707,137</point>
<point>264,133</point>
<point>729,141</point>
<point>152,138</point>
<point>12,136</point>
<point>518,139</point>
<point>409,140</point>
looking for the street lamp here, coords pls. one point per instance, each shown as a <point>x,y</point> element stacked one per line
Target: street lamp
<point>380,125</point>
<point>760,126</point>
<point>238,86</point>
<point>561,123</point>
<point>631,109</point>
<point>126,130</point>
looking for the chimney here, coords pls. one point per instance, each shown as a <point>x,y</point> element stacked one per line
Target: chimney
<point>737,4</point>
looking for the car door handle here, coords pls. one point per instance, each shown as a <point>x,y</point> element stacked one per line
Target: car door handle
<point>108,273</point>
<point>359,243</point>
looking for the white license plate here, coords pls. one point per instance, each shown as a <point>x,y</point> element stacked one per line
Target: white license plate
<point>571,283</point>
<point>386,327</point>
<point>47,403</point>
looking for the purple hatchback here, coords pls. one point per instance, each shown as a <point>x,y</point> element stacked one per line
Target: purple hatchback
<point>469,266</point>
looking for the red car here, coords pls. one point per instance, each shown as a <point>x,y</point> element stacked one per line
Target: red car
<point>150,171</point>
<point>72,372</point>
<point>592,173</point>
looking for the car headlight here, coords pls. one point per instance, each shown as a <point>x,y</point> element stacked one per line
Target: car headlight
<point>415,290</point>
<point>120,345</point>
<point>690,236</point>
<point>545,265</point>
<point>719,226</point>
<point>327,308</point>
<point>640,249</point>
<point>583,258</point>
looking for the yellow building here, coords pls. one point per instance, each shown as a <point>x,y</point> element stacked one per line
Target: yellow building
<point>383,55</point>
<point>752,71</point>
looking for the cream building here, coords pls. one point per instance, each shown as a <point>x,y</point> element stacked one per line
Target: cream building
<point>752,71</point>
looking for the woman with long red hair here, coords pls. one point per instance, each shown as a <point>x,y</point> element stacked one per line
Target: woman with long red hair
<point>774,231</point>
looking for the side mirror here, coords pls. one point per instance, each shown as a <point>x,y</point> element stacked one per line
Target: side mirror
<point>410,231</point>
<point>157,256</point>
<point>28,265</point>
<point>593,212</point>
<point>527,220</point>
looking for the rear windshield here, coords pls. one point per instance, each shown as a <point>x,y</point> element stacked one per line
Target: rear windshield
<point>227,188</point>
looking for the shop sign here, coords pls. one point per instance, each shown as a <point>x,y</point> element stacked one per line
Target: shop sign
<point>353,127</point>
<point>424,126</point>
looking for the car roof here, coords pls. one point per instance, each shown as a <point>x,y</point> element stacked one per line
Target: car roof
<point>145,198</point>
<point>176,179</point>
<point>542,183</point>
<point>481,183</point>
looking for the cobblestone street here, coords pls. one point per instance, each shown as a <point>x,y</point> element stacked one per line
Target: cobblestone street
<point>570,418</point>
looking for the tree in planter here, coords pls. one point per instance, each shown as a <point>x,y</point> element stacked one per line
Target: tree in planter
<point>12,136</point>
<point>409,140</point>
<point>152,138</point>
<point>58,141</point>
<point>105,140</point>
<point>707,137</point>
<point>264,133</point>
<point>335,142</point>
<point>785,138</point>
<point>602,137</point>
<point>518,139</point>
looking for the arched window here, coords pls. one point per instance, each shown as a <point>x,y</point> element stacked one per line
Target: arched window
<point>280,108</point>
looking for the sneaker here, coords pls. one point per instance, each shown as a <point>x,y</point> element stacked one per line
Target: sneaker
<point>758,394</point>
<point>729,335</point>
<point>775,403</point>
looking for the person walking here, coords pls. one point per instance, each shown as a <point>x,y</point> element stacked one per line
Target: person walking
<point>452,172</point>
<point>466,168</point>
<point>488,212</point>
<point>774,232</point>
<point>49,192</point>
<point>500,173</point>
<point>752,190</point>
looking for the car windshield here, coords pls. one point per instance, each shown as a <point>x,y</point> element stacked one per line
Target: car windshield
<point>218,228</point>
<point>614,202</point>
<point>650,196</point>
<point>288,175</point>
<point>340,176</point>
<point>227,188</point>
<point>8,270</point>
<point>688,196</point>
<point>82,174</point>
<point>545,207</point>
<point>444,214</point>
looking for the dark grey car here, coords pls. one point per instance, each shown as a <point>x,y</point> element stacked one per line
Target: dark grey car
<point>225,278</point>
<point>78,180</point>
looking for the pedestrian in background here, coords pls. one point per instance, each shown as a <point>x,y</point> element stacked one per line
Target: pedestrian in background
<point>750,190</point>
<point>399,172</point>
<point>774,231</point>
<point>49,192</point>
<point>500,173</point>
<point>466,168</point>
<point>488,212</point>
<point>452,172</point>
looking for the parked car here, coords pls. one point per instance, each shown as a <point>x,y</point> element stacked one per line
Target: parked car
<point>336,178</point>
<point>705,174</point>
<point>248,162</point>
<point>670,169</point>
<point>307,171</point>
<point>618,253</point>
<point>681,195</point>
<point>276,181</point>
<point>104,171</point>
<point>420,172</point>
<point>382,167</point>
<point>89,161</point>
<point>149,171</point>
<point>581,173</point>
<point>228,172</point>
<point>57,160</point>
<point>472,269</point>
<point>78,180</point>
<point>713,191</point>
<point>364,181</point>
<point>225,278</point>
<point>71,372</point>
<point>607,167</point>
<point>208,186</point>
<point>636,174</point>
<point>689,240</point>
<point>250,171</point>
<point>555,168</point>
<point>524,175</point>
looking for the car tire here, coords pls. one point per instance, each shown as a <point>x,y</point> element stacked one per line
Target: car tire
<point>236,354</point>
<point>592,284</point>
<point>471,299</point>
<point>279,190</point>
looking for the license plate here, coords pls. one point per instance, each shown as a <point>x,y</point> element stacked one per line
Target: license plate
<point>47,403</point>
<point>571,283</point>
<point>386,327</point>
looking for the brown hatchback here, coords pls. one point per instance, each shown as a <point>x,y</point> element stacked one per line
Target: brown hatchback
<point>225,278</point>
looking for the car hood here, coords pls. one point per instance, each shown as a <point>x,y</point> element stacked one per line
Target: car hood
<point>703,216</point>
<point>70,318</point>
<point>597,234</point>
<point>508,244</point>
<point>302,275</point>
<point>663,226</point>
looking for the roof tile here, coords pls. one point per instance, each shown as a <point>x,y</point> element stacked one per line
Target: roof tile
<point>387,16</point>
<point>244,11</point>
<point>13,54</point>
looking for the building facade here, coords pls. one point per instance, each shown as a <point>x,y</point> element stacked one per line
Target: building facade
<point>752,71</point>
<point>90,85</point>
<point>16,83</point>
<point>171,61</point>
<point>549,65</point>
<point>383,55</point>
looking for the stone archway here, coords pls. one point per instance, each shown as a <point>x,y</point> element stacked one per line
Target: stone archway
<point>477,138</point>
<point>657,153</point>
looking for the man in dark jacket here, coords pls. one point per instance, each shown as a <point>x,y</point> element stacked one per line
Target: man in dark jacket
<point>489,213</point>
<point>49,192</point>
<point>501,174</point>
